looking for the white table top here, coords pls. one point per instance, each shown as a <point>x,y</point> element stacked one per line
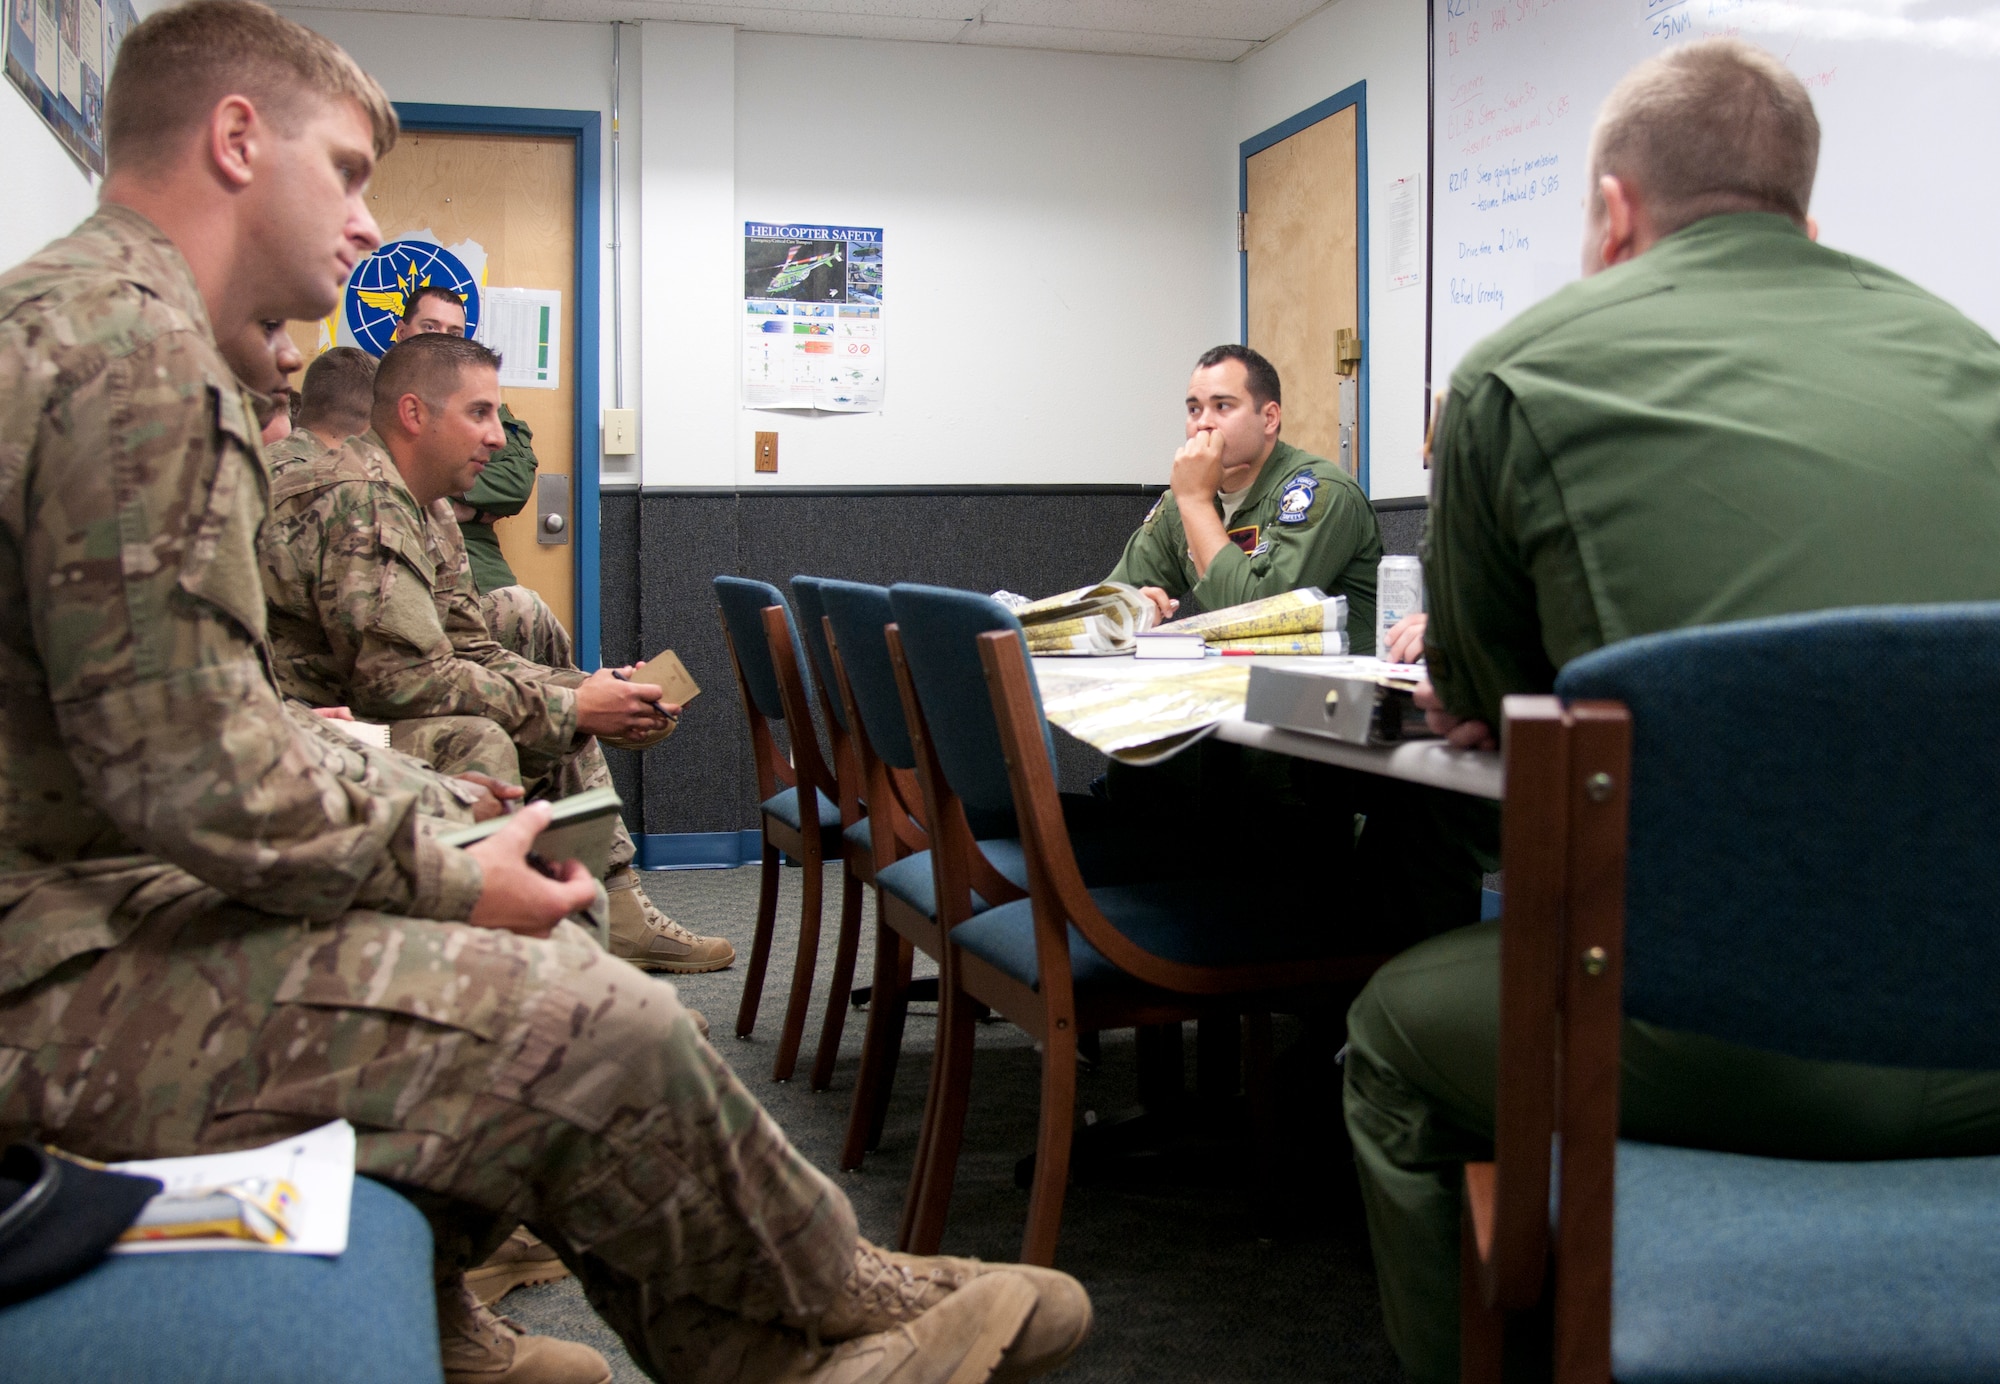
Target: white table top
<point>1473,772</point>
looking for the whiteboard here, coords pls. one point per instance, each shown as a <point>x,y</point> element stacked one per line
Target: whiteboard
<point>1905,91</point>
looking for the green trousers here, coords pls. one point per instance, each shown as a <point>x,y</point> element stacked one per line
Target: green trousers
<point>1419,1101</point>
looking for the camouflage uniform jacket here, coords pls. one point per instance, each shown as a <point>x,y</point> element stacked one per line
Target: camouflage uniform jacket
<point>302,445</point>
<point>373,606</point>
<point>144,748</point>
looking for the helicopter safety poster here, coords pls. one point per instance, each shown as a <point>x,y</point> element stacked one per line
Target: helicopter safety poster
<point>812,317</point>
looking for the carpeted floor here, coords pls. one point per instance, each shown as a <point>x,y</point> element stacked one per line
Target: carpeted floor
<point>1193,1279</point>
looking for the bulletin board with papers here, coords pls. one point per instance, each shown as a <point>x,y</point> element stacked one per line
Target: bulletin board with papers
<point>59,56</point>
<point>812,317</point>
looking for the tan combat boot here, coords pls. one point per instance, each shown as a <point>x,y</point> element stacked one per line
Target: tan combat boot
<point>521,1261</point>
<point>962,1340</point>
<point>481,1348</point>
<point>652,941</point>
<point>885,1289</point>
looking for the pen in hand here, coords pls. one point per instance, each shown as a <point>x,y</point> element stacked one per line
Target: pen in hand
<point>664,716</point>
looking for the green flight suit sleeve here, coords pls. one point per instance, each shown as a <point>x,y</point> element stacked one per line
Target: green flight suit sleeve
<point>1501,562</point>
<point>1315,552</point>
<point>1156,554</point>
<point>504,487</point>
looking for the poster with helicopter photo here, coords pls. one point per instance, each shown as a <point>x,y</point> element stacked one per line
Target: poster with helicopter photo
<point>812,317</point>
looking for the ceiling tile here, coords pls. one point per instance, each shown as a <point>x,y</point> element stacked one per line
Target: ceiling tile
<point>461,9</point>
<point>1105,41</point>
<point>1215,30</point>
<point>922,20</point>
<point>1252,20</point>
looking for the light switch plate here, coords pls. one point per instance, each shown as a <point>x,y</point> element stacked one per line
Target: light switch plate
<point>621,432</point>
<point>767,452</point>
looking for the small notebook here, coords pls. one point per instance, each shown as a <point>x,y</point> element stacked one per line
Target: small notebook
<point>367,732</point>
<point>670,675</point>
<point>581,830</point>
<point>1169,646</point>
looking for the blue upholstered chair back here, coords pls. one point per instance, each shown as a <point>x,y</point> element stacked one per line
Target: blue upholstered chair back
<point>743,604</point>
<point>806,591</point>
<point>1815,810</point>
<point>858,613</point>
<point>941,629</point>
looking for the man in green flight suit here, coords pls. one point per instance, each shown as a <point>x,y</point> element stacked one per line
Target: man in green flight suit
<point>504,486</point>
<point>1724,420</point>
<point>1248,515</point>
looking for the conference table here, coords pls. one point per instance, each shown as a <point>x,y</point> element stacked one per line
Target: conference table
<point>1218,707</point>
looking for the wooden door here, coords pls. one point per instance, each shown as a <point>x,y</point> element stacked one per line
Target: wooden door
<point>1300,238</point>
<point>516,196</point>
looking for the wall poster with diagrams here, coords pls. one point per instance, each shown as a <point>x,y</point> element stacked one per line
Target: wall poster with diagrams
<point>812,317</point>
<point>59,56</point>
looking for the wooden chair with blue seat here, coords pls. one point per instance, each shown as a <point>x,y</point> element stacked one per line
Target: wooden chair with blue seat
<point>886,726</point>
<point>1739,832</point>
<point>757,625</point>
<point>857,853</point>
<point>1074,956</point>
<point>365,1316</point>
<point>897,834</point>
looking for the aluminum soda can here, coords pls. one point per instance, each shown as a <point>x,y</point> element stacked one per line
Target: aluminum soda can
<point>1399,591</point>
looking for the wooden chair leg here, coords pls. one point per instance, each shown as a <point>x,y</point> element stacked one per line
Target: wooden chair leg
<point>926,1127</point>
<point>868,1081</point>
<point>944,1118</point>
<point>760,945</point>
<point>1482,1330</point>
<point>845,945</point>
<point>1052,1147</point>
<point>892,1048</point>
<point>881,1045</point>
<point>812,881</point>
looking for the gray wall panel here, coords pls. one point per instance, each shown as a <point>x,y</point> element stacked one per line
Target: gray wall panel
<point>662,550</point>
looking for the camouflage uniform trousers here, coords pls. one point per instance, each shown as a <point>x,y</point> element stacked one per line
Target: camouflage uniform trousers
<point>386,772</point>
<point>493,1078</point>
<point>521,622</point>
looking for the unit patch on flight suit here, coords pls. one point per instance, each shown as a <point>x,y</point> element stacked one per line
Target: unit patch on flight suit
<point>1296,501</point>
<point>1245,538</point>
<point>1147,522</point>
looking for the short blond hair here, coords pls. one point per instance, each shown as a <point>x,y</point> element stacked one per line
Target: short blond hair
<point>1717,126</point>
<point>177,64</point>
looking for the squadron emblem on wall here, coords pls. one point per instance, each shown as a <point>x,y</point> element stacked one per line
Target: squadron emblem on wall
<point>381,284</point>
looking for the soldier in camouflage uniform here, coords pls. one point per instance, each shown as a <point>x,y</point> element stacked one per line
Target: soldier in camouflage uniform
<point>504,487</point>
<point>208,941</point>
<point>373,607</point>
<point>482,753</point>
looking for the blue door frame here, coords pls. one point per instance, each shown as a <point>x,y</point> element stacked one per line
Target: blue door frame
<point>585,128</point>
<point>1357,97</point>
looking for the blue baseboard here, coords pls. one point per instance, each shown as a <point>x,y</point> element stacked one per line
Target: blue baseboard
<point>700,850</point>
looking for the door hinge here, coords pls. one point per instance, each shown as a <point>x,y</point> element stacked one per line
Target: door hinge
<point>1346,351</point>
<point>1242,232</point>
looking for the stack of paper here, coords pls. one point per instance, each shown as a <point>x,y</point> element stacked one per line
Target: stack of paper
<point>1090,621</point>
<point>319,1164</point>
<point>1305,621</point>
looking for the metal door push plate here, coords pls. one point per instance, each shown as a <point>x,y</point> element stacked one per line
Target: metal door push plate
<point>552,515</point>
<point>1356,711</point>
